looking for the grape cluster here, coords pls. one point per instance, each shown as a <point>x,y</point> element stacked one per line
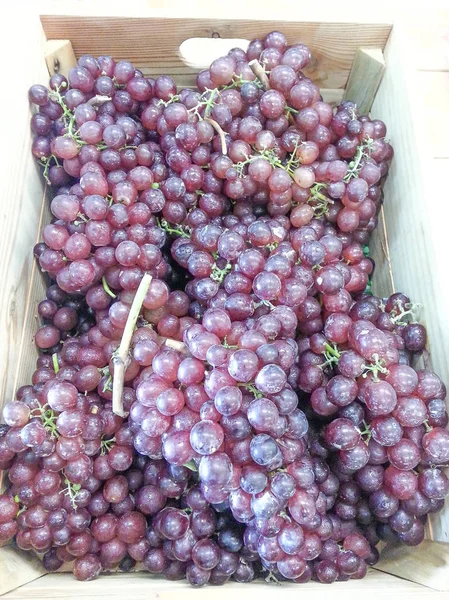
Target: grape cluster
<point>275,425</point>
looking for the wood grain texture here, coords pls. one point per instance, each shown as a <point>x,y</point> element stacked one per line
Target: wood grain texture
<point>17,568</point>
<point>63,52</point>
<point>59,56</point>
<point>152,43</point>
<point>432,53</point>
<point>365,77</point>
<point>432,103</point>
<point>416,211</point>
<point>22,211</point>
<point>21,204</point>
<point>426,564</point>
<point>141,586</point>
<point>35,293</point>
<point>383,278</point>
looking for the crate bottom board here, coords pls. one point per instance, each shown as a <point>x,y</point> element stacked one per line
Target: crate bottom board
<point>141,586</point>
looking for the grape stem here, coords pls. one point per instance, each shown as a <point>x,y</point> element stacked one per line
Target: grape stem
<point>318,201</point>
<point>107,289</point>
<point>427,426</point>
<point>283,514</point>
<point>191,465</point>
<point>54,358</point>
<point>366,431</point>
<point>251,388</point>
<point>96,100</point>
<point>173,98</point>
<point>106,445</point>
<point>165,226</point>
<point>332,350</point>
<point>68,115</point>
<point>293,160</point>
<point>362,151</point>
<point>226,345</point>
<point>48,419</point>
<point>331,355</point>
<point>175,344</point>
<point>271,578</point>
<point>46,163</point>
<point>411,309</point>
<point>219,274</point>
<point>259,72</point>
<point>71,491</point>
<point>221,133</point>
<point>107,384</point>
<point>121,358</point>
<point>274,160</point>
<point>375,368</point>
<point>264,303</point>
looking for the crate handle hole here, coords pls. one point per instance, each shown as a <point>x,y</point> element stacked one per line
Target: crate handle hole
<point>198,53</point>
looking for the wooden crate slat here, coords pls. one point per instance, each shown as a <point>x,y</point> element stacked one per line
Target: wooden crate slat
<point>426,564</point>
<point>18,568</point>
<point>62,51</point>
<point>432,101</point>
<point>152,42</point>
<point>383,277</point>
<point>416,211</point>
<point>21,207</point>
<point>432,53</point>
<point>59,56</point>
<point>365,77</point>
<point>142,586</point>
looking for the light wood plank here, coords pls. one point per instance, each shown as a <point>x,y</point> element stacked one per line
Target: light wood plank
<point>21,209</point>
<point>333,44</point>
<point>35,293</point>
<point>365,77</point>
<point>334,97</point>
<point>59,56</point>
<point>426,564</point>
<point>21,198</point>
<point>381,11</point>
<point>432,100</point>
<point>17,568</point>
<point>141,586</point>
<point>432,52</point>
<point>416,211</point>
<point>383,278</point>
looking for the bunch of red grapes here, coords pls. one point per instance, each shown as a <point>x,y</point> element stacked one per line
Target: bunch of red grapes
<point>275,424</point>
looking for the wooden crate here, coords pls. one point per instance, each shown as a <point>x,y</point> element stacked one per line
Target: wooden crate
<point>409,245</point>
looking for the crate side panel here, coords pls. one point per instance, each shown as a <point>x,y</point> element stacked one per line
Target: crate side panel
<point>141,586</point>
<point>426,564</point>
<point>21,207</point>
<point>416,211</point>
<point>383,279</point>
<point>17,568</point>
<point>152,44</point>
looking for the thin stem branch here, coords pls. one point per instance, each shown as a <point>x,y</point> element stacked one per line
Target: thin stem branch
<point>97,100</point>
<point>54,358</point>
<point>221,133</point>
<point>121,358</point>
<point>107,289</point>
<point>175,344</point>
<point>259,72</point>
